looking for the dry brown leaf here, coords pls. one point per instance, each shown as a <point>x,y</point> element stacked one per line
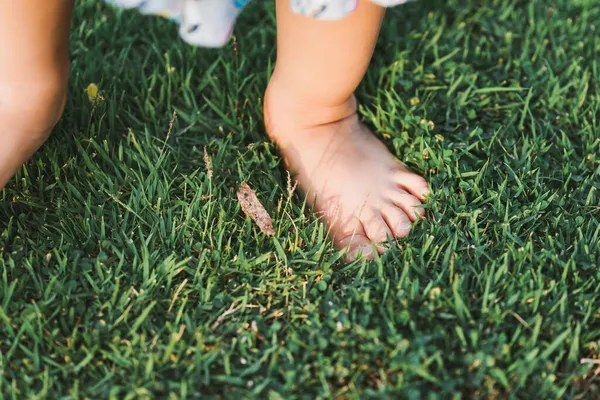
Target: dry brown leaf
<point>254,209</point>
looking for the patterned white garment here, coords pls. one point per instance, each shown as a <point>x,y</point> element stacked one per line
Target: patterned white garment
<point>332,10</point>
<point>209,23</point>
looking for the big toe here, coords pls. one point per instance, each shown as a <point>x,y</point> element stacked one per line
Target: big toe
<point>357,246</point>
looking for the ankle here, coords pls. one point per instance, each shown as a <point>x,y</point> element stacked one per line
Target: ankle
<point>286,107</point>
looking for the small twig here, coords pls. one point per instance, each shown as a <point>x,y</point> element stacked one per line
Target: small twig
<point>521,320</point>
<point>177,294</point>
<point>222,317</point>
<point>291,189</point>
<point>173,118</point>
<point>208,164</point>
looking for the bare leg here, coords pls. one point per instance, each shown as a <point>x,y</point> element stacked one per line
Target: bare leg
<point>363,192</point>
<point>34,68</point>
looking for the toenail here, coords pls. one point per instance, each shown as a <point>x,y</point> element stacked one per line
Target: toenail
<point>362,251</point>
<point>404,229</point>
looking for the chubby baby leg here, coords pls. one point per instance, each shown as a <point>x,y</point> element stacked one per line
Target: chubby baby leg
<point>34,70</point>
<point>363,192</point>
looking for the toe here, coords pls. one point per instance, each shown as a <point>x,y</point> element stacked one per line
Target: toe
<point>397,221</point>
<point>350,235</point>
<point>408,203</point>
<point>357,246</point>
<point>377,230</point>
<point>412,183</point>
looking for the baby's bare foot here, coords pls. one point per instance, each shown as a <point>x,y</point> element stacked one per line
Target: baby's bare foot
<point>363,192</point>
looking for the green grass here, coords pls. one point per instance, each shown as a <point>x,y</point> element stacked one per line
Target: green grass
<point>127,272</point>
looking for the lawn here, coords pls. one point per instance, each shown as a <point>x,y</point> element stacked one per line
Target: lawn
<point>128,269</point>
